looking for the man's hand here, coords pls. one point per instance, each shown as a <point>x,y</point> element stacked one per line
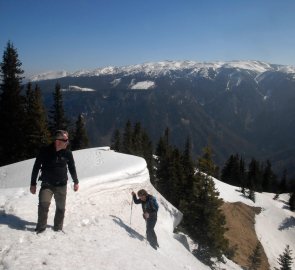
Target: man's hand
<point>133,193</point>
<point>76,187</point>
<point>33,189</point>
<point>146,215</point>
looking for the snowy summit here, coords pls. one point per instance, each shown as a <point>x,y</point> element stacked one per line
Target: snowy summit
<point>166,67</point>
<point>104,230</point>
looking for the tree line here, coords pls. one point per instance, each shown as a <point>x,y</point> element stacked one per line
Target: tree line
<point>257,177</point>
<point>186,184</point>
<point>189,186</point>
<point>25,124</point>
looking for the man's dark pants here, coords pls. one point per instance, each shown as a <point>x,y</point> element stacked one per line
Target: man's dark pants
<point>45,196</point>
<point>150,232</point>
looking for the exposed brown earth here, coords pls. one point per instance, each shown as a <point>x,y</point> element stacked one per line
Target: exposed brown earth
<point>240,221</point>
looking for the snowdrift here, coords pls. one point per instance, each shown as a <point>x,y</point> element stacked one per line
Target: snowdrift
<point>104,230</point>
<point>100,231</point>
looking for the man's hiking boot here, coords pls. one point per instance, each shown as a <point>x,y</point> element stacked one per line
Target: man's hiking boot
<point>39,230</point>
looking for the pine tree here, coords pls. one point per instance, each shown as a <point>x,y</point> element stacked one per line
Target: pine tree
<point>80,138</point>
<point>283,183</point>
<point>163,153</point>
<point>285,260</point>
<point>203,218</point>
<point>269,178</point>
<point>254,178</point>
<point>206,220</point>
<point>148,155</point>
<point>188,168</point>
<point>116,141</point>
<point>292,201</point>
<point>135,142</point>
<point>242,176</point>
<point>57,116</point>
<point>127,139</point>
<point>206,164</point>
<point>255,258</point>
<point>251,195</point>
<point>136,138</point>
<point>231,172</point>
<point>12,117</point>
<point>36,132</point>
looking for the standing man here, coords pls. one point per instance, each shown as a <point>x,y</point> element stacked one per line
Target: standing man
<point>53,161</point>
<point>150,208</point>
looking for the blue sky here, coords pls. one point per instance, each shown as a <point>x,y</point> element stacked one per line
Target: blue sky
<point>86,34</point>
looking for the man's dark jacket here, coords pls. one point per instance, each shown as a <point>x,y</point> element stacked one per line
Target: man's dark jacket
<point>53,165</point>
<point>149,206</point>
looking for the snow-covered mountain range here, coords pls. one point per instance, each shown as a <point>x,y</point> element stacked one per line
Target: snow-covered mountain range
<point>104,230</point>
<point>167,67</point>
<point>242,106</point>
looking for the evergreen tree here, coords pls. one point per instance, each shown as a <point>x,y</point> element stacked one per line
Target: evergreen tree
<point>285,260</point>
<point>188,167</point>
<point>254,178</point>
<point>57,116</point>
<point>231,172</point>
<point>163,153</point>
<point>80,138</point>
<point>116,141</point>
<point>255,258</point>
<point>292,201</point>
<point>36,133</point>
<point>242,175</point>
<point>203,219</point>
<point>206,164</point>
<point>251,194</point>
<point>137,140</point>
<point>147,154</point>
<point>206,222</point>
<point>282,188</point>
<point>269,178</point>
<point>12,117</point>
<point>127,139</point>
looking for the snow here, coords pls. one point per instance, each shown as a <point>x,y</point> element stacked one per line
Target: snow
<point>143,85</point>
<point>167,67</point>
<point>116,82</point>
<point>50,75</point>
<point>104,230</point>
<point>99,230</point>
<point>275,225</point>
<point>76,88</point>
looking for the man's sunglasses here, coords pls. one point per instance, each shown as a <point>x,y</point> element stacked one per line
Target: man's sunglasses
<point>63,140</point>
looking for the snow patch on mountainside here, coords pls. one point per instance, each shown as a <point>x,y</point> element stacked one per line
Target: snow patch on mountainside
<point>75,88</point>
<point>116,82</point>
<point>143,85</point>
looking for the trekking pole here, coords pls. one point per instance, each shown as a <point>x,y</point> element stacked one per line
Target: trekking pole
<point>131,210</point>
<point>146,232</point>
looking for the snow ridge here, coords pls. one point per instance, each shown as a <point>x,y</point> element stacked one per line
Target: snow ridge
<point>155,69</point>
<point>105,230</point>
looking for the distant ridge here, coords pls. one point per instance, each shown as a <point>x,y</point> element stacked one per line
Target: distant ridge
<point>166,67</point>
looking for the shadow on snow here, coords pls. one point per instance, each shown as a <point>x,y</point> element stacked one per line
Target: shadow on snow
<point>15,222</point>
<point>132,233</point>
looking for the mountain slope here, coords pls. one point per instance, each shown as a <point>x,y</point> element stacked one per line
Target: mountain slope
<point>239,106</point>
<point>100,229</point>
